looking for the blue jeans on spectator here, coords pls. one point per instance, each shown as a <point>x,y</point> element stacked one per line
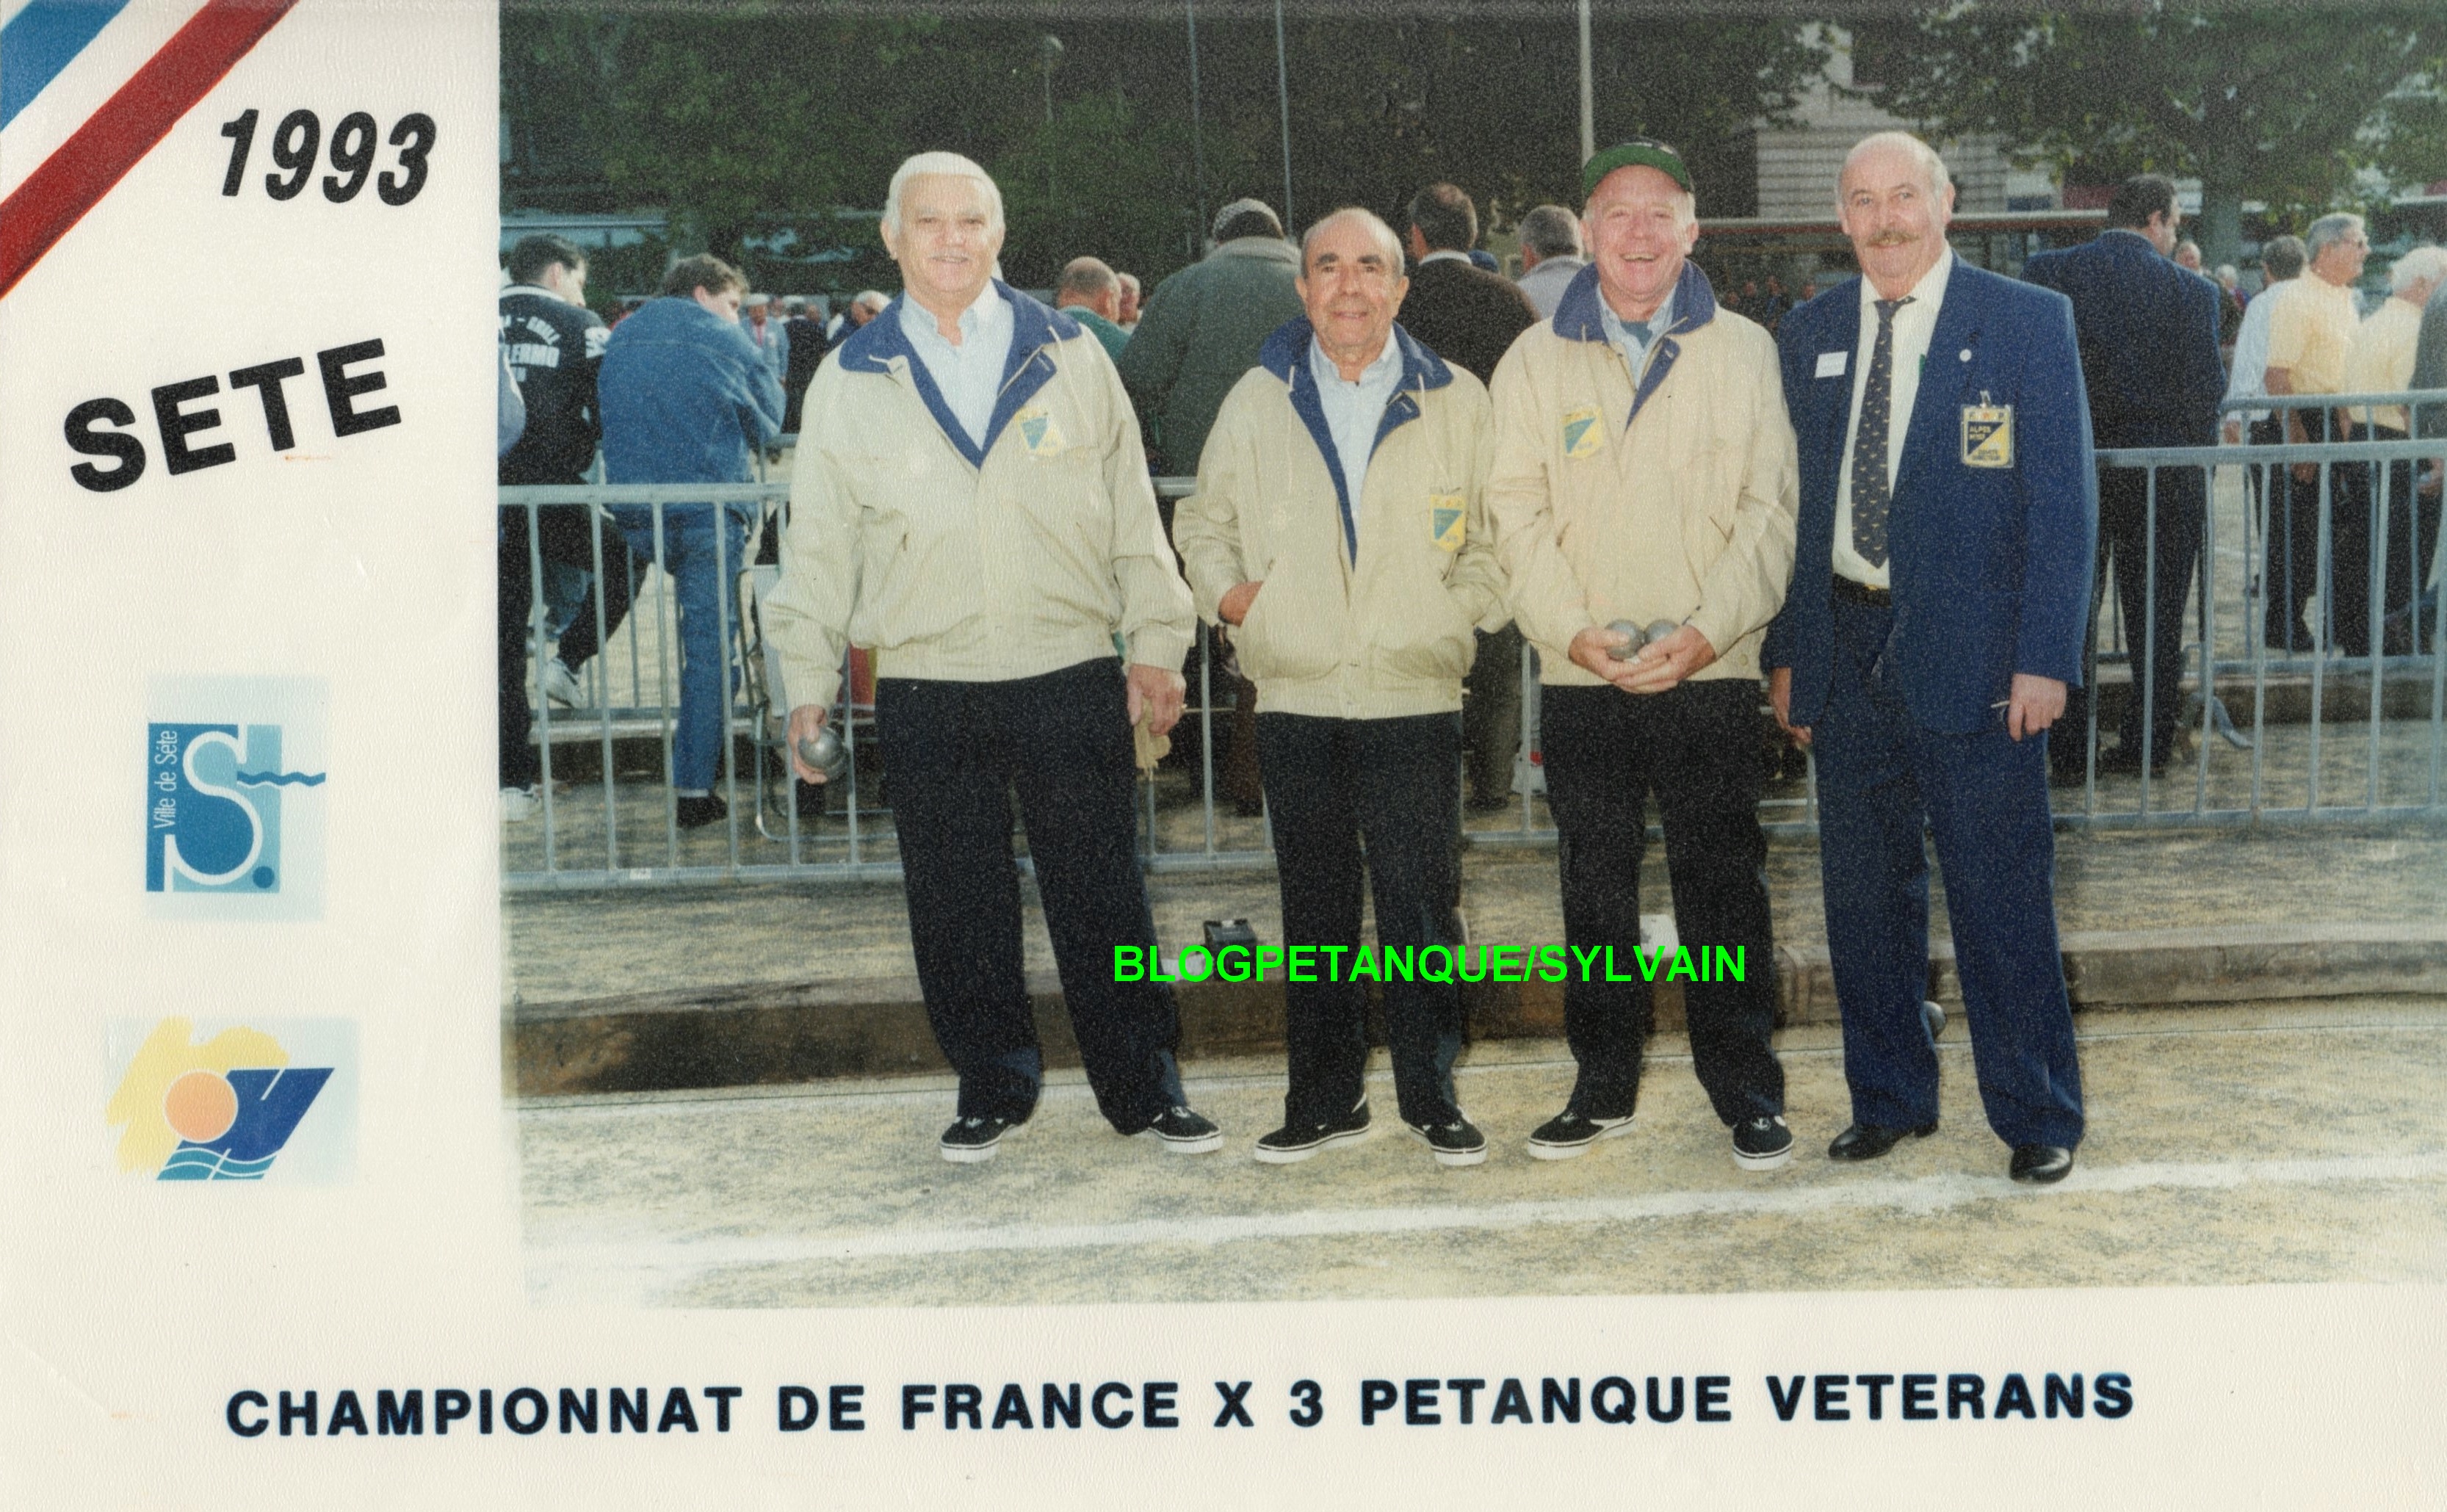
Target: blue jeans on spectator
<point>707,607</point>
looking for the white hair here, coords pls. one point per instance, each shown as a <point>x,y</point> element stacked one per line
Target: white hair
<point>2420,265</point>
<point>1931,164</point>
<point>1390,243</point>
<point>874,299</point>
<point>2329,231</point>
<point>949,164</point>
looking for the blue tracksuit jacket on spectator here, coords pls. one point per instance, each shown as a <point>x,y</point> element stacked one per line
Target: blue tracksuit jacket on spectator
<point>684,396</point>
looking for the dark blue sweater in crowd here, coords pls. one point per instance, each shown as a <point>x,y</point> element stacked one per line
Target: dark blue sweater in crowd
<point>684,397</point>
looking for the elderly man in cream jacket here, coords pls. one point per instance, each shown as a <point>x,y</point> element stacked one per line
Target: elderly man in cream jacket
<point>1339,528</point>
<point>971,500</point>
<point>1645,472</point>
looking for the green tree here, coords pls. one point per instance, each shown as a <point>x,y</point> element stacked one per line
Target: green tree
<point>736,122</point>
<point>2279,103</point>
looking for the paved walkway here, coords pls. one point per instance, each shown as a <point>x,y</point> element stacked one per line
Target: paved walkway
<point>2245,1144</point>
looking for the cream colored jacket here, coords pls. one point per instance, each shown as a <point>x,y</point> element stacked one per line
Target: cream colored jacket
<point>1389,633</point>
<point>949,565</point>
<point>1675,501</point>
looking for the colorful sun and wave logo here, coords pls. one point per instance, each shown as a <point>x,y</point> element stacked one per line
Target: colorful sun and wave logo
<point>219,1111</point>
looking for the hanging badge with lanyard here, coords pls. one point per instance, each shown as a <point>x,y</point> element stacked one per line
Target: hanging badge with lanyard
<point>1988,434</point>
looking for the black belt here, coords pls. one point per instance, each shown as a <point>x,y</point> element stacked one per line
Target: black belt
<point>1854,593</point>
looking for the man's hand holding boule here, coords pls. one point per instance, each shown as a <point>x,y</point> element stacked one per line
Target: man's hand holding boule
<point>806,723</point>
<point>1663,663</point>
<point>1594,650</point>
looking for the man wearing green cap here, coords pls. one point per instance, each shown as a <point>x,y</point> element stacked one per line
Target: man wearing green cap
<point>1644,472</point>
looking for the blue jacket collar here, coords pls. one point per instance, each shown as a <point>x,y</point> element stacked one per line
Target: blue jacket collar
<point>1285,355</point>
<point>874,346</point>
<point>1579,317</point>
<point>1287,351</point>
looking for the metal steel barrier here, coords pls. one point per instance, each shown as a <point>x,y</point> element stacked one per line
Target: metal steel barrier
<point>2398,701</point>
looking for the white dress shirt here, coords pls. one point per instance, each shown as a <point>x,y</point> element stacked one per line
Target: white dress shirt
<point>1355,410</point>
<point>2251,356</point>
<point>1914,324</point>
<point>968,376</point>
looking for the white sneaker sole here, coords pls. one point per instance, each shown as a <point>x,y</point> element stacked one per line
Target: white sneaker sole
<point>1279,1156</point>
<point>1205,1143</point>
<point>1565,1152</point>
<point>1476,1157</point>
<point>1764,1163</point>
<point>977,1154</point>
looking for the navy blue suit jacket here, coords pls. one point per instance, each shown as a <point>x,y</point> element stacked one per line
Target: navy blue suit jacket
<point>2149,331</point>
<point>1991,566</point>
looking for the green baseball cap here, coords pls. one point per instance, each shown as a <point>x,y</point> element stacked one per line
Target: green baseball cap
<point>1640,151</point>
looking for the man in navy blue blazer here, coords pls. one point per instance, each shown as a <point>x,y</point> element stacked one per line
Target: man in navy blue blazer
<point>2149,335</point>
<point>1948,516</point>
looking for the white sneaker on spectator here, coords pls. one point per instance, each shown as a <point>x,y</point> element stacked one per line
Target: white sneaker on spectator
<point>520,804</point>
<point>561,685</point>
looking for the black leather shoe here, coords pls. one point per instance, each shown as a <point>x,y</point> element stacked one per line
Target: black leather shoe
<point>1866,1142</point>
<point>2041,1164</point>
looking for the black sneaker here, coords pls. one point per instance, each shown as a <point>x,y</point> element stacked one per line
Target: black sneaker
<point>1762,1143</point>
<point>699,811</point>
<point>1571,1131</point>
<point>1293,1142</point>
<point>1458,1143</point>
<point>970,1139</point>
<point>1183,1132</point>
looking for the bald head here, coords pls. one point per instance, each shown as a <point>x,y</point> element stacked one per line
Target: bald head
<point>1090,284</point>
<point>1895,199</point>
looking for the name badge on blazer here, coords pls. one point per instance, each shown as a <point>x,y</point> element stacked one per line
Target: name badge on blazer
<point>1040,434</point>
<point>1988,434</point>
<point>1448,521</point>
<point>1582,435</point>
<point>1830,364</point>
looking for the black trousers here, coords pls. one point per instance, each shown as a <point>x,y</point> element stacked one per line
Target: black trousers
<point>2154,628</point>
<point>2293,564</point>
<point>1490,717</point>
<point>2412,533</point>
<point>567,535</point>
<point>1697,747</point>
<point>1393,785</point>
<point>957,751</point>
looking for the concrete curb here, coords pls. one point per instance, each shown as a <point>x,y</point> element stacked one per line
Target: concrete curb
<point>764,1034</point>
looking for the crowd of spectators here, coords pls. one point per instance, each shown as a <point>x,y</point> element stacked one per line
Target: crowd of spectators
<point>716,371</point>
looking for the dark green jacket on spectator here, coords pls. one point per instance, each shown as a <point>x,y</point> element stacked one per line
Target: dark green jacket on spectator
<point>1112,337</point>
<point>1200,333</point>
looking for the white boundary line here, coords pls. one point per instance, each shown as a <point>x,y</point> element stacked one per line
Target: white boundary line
<point>669,1259</point>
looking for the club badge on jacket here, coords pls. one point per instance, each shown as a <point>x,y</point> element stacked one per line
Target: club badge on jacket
<point>1988,434</point>
<point>1582,435</point>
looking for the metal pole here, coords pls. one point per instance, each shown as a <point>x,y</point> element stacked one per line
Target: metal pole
<point>1197,136</point>
<point>1589,92</point>
<point>1284,95</point>
<point>1049,52</point>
